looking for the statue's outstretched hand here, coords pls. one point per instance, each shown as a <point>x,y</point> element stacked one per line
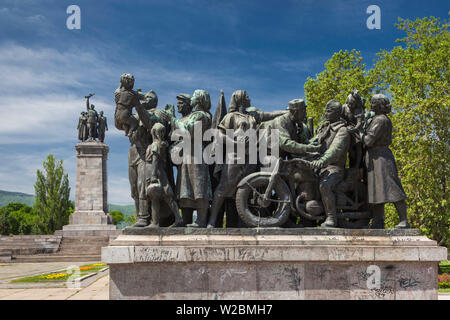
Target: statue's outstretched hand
<point>166,116</point>
<point>169,108</point>
<point>317,164</point>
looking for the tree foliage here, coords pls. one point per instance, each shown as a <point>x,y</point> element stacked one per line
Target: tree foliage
<point>344,72</point>
<point>18,218</point>
<point>117,216</point>
<point>52,194</point>
<point>416,77</point>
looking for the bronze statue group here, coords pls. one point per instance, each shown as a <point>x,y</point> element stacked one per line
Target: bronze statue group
<point>340,177</point>
<point>91,125</point>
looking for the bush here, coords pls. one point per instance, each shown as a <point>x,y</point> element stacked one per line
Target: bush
<point>117,216</point>
<point>444,267</point>
<point>444,281</point>
<point>18,218</point>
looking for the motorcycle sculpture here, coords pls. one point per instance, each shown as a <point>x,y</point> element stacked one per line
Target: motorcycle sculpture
<point>267,199</point>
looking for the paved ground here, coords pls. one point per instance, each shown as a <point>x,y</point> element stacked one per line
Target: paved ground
<point>10,271</point>
<point>444,296</point>
<point>97,290</point>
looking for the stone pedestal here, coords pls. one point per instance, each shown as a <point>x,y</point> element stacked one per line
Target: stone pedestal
<point>91,194</point>
<point>309,263</point>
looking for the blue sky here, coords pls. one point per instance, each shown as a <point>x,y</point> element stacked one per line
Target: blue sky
<point>268,48</point>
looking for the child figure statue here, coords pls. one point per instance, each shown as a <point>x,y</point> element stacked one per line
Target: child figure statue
<point>158,187</point>
<point>126,98</point>
<point>353,113</point>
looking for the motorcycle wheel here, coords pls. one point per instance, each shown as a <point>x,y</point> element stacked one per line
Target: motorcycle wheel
<point>255,215</point>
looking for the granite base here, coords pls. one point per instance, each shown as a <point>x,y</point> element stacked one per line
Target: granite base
<point>275,263</point>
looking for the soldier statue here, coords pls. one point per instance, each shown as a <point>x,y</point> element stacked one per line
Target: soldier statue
<point>383,183</point>
<point>334,139</point>
<point>185,109</point>
<point>82,127</point>
<point>241,117</point>
<point>307,178</point>
<point>92,119</point>
<point>102,126</point>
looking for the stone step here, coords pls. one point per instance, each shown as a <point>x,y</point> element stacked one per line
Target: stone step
<point>83,241</point>
<point>30,250</point>
<point>89,233</point>
<point>79,252</point>
<point>34,236</point>
<point>5,255</point>
<point>56,258</point>
<point>27,245</point>
<point>28,242</point>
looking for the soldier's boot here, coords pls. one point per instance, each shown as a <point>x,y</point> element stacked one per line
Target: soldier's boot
<point>329,203</point>
<point>155,219</point>
<point>215,208</point>
<point>378,216</point>
<point>402,214</point>
<point>143,217</point>
<point>331,221</point>
<point>187,215</point>
<point>176,212</point>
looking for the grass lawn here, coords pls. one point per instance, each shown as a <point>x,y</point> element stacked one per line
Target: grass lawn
<point>444,266</point>
<point>63,276</point>
<point>47,277</point>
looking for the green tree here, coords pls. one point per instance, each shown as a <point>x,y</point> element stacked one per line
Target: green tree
<point>18,218</point>
<point>52,194</point>
<point>117,216</point>
<point>343,73</point>
<point>129,220</point>
<point>5,228</point>
<point>416,76</point>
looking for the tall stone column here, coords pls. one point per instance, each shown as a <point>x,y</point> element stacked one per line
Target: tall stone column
<point>91,194</point>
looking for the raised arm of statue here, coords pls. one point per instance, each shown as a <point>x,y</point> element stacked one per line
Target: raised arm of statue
<point>148,120</point>
<point>266,116</point>
<point>87,100</point>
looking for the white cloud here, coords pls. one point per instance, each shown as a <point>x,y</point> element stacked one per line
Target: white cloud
<point>19,17</point>
<point>18,169</point>
<point>43,70</point>
<point>43,119</point>
<point>304,65</point>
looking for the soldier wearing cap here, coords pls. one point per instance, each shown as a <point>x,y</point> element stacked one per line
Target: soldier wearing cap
<point>184,104</point>
<point>292,141</point>
<point>184,107</point>
<point>334,139</point>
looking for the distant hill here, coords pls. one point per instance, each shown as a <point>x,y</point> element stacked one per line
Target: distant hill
<point>127,209</point>
<point>8,197</point>
<point>28,199</point>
